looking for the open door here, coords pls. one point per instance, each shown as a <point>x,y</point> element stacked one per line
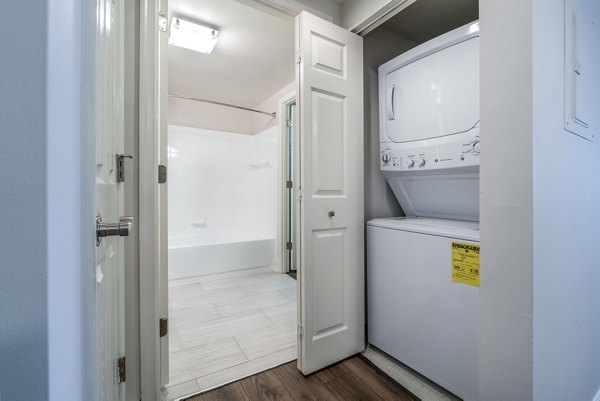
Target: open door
<point>331,230</point>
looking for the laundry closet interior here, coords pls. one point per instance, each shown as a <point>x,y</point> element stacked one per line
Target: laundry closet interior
<point>232,189</point>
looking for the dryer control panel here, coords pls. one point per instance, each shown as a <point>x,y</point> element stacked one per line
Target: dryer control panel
<point>461,150</point>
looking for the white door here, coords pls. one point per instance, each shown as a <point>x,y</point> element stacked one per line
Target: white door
<point>109,126</point>
<point>330,116</point>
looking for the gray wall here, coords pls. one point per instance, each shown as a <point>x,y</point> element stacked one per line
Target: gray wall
<point>566,259</point>
<point>23,272</point>
<point>379,46</point>
<point>506,217</point>
<point>539,304</point>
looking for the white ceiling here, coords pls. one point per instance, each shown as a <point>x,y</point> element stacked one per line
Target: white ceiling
<point>253,58</point>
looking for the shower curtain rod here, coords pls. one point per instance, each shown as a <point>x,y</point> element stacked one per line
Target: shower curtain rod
<point>274,114</point>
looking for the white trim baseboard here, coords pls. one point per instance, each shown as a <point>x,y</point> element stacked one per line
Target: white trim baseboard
<point>408,378</point>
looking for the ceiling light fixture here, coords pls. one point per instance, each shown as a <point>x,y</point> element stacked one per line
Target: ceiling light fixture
<point>193,36</point>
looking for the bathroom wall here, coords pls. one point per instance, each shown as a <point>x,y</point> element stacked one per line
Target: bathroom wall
<point>189,113</point>
<point>261,122</point>
<point>214,188</point>
<point>265,182</point>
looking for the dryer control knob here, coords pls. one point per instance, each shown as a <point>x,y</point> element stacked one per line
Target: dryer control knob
<point>476,147</point>
<point>385,158</point>
<point>411,164</point>
<point>422,164</point>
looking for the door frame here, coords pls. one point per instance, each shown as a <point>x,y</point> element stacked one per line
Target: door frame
<point>149,236</point>
<point>283,105</point>
<point>150,107</point>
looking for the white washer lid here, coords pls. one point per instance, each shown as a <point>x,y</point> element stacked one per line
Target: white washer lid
<point>465,230</point>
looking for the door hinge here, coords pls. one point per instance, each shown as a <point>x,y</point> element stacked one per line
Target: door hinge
<point>162,21</point>
<point>298,56</point>
<point>121,166</point>
<point>162,174</point>
<point>289,124</point>
<point>289,246</point>
<point>300,330</point>
<point>289,184</point>
<point>121,369</point>
<point>163,326</point>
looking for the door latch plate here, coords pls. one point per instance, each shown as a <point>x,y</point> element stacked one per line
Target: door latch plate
<point>163,327</point>
<point>162,174</point>
<point>121,167</point>
<point>121,369</point>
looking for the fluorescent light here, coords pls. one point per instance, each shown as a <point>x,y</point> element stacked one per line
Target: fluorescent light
<point>192,36</point>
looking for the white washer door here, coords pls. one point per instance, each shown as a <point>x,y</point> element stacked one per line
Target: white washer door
<point>434,96</point>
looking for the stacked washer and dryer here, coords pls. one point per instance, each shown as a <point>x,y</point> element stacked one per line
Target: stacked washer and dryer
<point>418,312</point>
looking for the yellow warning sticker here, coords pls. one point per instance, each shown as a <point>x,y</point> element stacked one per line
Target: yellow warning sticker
<point>465,263</point>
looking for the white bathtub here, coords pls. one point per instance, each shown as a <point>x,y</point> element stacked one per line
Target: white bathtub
<point>212,253</point>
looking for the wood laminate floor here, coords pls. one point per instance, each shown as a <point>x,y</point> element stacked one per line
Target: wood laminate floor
<point>350,380</point>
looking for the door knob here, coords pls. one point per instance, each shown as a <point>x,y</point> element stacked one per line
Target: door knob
<point>120,229</point>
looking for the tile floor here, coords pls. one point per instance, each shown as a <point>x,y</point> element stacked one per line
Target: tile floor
<point>225,329</point>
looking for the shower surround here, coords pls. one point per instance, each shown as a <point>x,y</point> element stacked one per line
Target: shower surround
<point>222,201</point>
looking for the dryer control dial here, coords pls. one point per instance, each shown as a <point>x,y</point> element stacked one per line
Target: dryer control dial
<point>459,151</point>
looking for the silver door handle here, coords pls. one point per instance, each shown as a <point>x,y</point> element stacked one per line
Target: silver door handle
<point>120,229</point>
